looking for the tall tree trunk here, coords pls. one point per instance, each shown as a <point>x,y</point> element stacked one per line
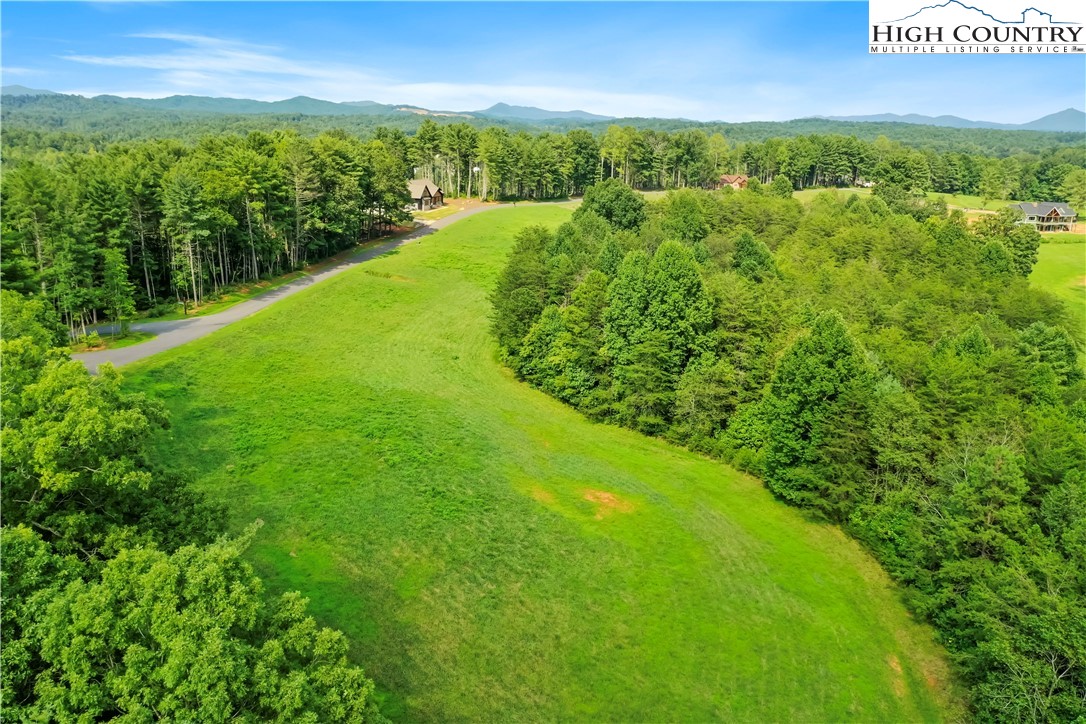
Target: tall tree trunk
<point>252,245</point>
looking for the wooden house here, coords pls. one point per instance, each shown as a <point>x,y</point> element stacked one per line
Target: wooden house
<point>425,194</point>
<point>737,182</point>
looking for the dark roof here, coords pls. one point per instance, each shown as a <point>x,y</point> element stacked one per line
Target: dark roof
<point>418,187</point>
<point>1044,208</point>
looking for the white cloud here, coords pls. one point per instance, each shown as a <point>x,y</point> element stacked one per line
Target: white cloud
<point>203,65</point>
<point>15,70</point>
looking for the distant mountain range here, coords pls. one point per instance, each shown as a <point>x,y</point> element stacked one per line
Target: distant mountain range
<point>22,90</point>
<point>529,113</point>
<point>303,105</point>
<point>1070,120</point>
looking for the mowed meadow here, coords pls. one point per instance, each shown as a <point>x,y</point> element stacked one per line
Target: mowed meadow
<point>493,555</point>
<point>1061,269</point>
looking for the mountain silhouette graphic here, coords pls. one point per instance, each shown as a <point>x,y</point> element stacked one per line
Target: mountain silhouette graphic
<point>953,4</point>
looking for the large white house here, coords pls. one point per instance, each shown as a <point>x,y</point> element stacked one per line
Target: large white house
<point>1048,216</point>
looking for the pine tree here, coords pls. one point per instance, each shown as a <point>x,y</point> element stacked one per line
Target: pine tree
<point>819,393</point>
<point>753,259</point>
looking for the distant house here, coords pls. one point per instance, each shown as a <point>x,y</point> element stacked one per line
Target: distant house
<point>425,194</point>
<point>736,182</point>
<point>1048,216</point>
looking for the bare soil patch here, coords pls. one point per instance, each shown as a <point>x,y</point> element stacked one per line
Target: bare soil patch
<point>897,678</point>
<point>543,496</point>
<point>607,503</point>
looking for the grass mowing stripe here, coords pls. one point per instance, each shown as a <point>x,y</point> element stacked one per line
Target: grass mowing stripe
<point>495,556</point>
<point>1061,269</point>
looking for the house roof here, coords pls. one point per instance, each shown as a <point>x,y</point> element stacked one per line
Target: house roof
<point>418,187</point>
<point>728,179</point>
<point>1044,208</point>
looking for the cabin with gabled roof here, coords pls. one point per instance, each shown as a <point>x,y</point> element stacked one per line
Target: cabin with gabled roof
<point>425,194</point>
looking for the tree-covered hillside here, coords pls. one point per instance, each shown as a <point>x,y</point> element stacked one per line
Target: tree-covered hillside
<point>883,365</point>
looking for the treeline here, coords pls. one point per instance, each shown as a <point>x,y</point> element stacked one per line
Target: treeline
<point>655,160</point>
<point>143,223</point>
<point>875,361</point>
<point>843,161</point>
<point>110,119</point>
<point>121,599</point>
<point>133,225</point>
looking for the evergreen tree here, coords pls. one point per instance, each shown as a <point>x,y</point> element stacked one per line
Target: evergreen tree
<point>116,289</point>
<point>821,382</point>
<point>1052,346</point>
<point>678,305</point>
<point>627,303</point>
<point>519,295</point>
<point>753,259</point>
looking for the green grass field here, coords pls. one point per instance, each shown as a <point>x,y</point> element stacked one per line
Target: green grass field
<point>493,555</point>
<point>960,201</point>
<point>964,201</point>
<point>1061,269</point>
<point>807,195</point>
<point>1063,237</point>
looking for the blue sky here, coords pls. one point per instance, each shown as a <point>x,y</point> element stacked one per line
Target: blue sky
<point>732,61</point>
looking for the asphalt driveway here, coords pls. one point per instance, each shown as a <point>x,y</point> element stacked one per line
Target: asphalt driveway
<point>180,331</point>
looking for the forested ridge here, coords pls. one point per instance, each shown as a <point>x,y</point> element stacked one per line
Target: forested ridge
<point>104,230</point>
<point>874,360</point>
<point>109,118</point>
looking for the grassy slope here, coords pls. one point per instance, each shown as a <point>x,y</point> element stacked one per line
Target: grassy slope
<point>435,509</point>
<point>960,201</point>
<point>1061,269</point>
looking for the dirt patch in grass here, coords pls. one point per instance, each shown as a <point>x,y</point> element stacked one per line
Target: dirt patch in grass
<point>607,503</point>
<point>543,496</point>
<point>897,679</point>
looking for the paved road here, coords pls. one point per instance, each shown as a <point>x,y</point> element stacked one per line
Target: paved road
<point>174,333</point>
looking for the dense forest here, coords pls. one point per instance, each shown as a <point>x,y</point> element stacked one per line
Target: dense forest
<point>120,597</point>
<point>140,224</point>
<point>875,361</point>
<point>105,230</point>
